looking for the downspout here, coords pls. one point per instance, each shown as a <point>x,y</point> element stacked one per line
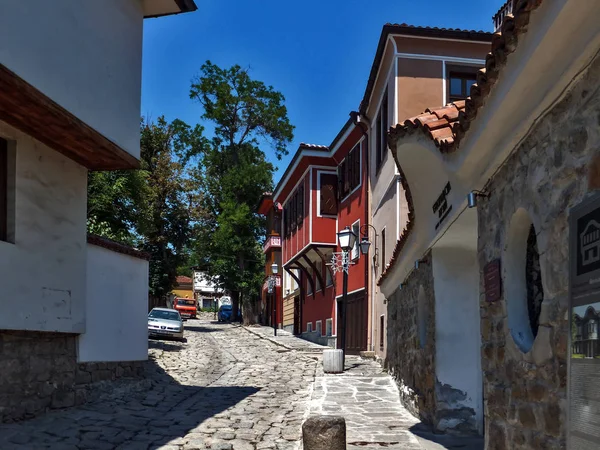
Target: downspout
<point>364,124</point>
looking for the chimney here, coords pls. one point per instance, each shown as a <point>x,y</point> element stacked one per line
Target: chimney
<point>498,18</point>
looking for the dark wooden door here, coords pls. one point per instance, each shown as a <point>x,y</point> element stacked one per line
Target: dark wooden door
<point>356,323</point>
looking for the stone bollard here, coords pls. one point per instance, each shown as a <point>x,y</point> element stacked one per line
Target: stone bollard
<point>324,433</point>
<point>333,361</point>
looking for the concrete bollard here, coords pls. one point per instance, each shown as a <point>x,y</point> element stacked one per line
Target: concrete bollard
<point>324,433</point>
<point>333,361</point>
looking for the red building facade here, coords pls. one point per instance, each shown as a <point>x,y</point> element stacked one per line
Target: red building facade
<point>271,310</point>
<point>322,191</point>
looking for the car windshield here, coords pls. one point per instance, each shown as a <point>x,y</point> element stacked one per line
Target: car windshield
<point>159,314</point>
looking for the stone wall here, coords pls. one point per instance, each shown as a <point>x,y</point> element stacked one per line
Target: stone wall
<point>39,371</point>
<point>412,366</point>
<point>551,171</point>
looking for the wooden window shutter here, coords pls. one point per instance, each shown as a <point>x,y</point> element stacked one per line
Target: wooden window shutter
<point>356,163</point>
<point>3,190</point>
<point>300,205</point>
<point>384,125</point>
<point>328,194</point>
<point>340,186</point>
<point>293,210</point>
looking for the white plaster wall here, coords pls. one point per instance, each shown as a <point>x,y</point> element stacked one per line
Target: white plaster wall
<point>457,322</point>
<point>84,55</point>
<point>117,308</point>
<point>42,273</point>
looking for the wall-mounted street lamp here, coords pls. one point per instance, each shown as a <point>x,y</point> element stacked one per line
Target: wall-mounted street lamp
<point>272,290</point>
<point>346,241</point>
<point>365,244</point>
<point>472,198</point>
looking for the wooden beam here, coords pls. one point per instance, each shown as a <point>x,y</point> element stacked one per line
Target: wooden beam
<point>316,272</point>
<point>326,266</point>
<point>29,110</point>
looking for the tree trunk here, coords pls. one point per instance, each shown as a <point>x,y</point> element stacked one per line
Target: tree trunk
<point>251,311</point>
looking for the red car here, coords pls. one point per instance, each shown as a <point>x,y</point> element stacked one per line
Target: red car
<point>187,307</point>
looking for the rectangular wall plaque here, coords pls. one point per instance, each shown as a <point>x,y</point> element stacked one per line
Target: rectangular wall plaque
<point>583,430</point>
<point>492,281</point>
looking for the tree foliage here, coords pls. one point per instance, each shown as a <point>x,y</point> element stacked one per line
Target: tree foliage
<point>235,173</point>
<point>153,208</point>
<point>194,199</point>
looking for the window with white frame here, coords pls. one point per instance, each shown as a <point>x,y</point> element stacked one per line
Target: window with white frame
<point>309,327</point>
<point>356,248</point>
<point>329,327</point>
<point>319,327</point>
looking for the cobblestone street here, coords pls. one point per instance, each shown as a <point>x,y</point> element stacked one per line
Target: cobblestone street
<point>226,388</point>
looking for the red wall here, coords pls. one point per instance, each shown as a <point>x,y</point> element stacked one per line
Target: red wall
<point>319,307</point>
<point>354,208</point>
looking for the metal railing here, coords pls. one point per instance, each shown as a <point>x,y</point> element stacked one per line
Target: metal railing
<point>498,18</point>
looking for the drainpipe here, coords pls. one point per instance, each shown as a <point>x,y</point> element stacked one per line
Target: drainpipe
<point>364,124</point>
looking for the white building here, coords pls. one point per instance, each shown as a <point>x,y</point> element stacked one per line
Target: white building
<point>207,291</point>
<point>70,82</point>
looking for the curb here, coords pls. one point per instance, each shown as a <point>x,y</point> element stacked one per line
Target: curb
<point>273,341</point>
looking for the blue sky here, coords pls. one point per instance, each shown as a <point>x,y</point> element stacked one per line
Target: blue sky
<point>317,53</point>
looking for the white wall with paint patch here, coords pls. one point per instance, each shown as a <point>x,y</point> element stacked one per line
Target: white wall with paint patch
<point>457,332</point>
<point>43,267</point>
<point>117,308</point>
<point>84,55</point>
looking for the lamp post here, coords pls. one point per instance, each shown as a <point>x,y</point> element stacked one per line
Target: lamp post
<point>346,241</point>
<point>272,284</point>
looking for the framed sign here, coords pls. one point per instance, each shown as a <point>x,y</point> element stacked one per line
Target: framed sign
<point>583,431</point>
<point>492,279</point>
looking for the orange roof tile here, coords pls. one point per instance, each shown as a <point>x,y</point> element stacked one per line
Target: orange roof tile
<point>447,125</point>
<point>459,115</point>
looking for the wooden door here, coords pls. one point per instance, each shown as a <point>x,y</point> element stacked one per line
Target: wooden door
<point>356,323</point>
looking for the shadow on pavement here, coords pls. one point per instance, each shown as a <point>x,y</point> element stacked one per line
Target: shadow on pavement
<point>165,345</point>
<point>432,441</point>
<point>201,329</point>
<point>148,414</point>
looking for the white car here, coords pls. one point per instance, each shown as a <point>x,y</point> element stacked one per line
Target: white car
<point>164,322</point>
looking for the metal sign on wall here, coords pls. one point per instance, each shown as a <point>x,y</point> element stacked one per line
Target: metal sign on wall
<point>584,311</point>
<point>492,281</point>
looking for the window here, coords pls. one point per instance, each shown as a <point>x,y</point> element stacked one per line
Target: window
<point>381,126</point>
<point>3,190</point>
<point>328,327</point>
<point>524,292</point>
<point>300,205</point>
<point>319,328</point>
<point>535,291</point>
<point>349,172</point>
<point>383,260</point>
<point>309,327</point>
<point>356,248</point>
<point>328,278</point>
<point>328,194</point>
<point>381,331</point>
<point>460,80</point>
<point>309,289</point>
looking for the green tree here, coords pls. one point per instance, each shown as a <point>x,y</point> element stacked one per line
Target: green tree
<point>155,207</point>
<point>234,173</point>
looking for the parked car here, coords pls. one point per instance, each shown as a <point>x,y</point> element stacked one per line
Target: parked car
<point>225,313</point>
<point>187,307</point>
<point>164,322</point>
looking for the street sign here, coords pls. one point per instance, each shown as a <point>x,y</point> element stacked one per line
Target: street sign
<point>584,309</point>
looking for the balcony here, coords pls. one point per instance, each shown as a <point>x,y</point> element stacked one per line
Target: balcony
<point>506,9</point>
<point>272,242</point>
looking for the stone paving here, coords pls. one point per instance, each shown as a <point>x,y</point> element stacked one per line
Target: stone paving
<point>228,387</point>
<point>222,389</point>
<point>368,399</point>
